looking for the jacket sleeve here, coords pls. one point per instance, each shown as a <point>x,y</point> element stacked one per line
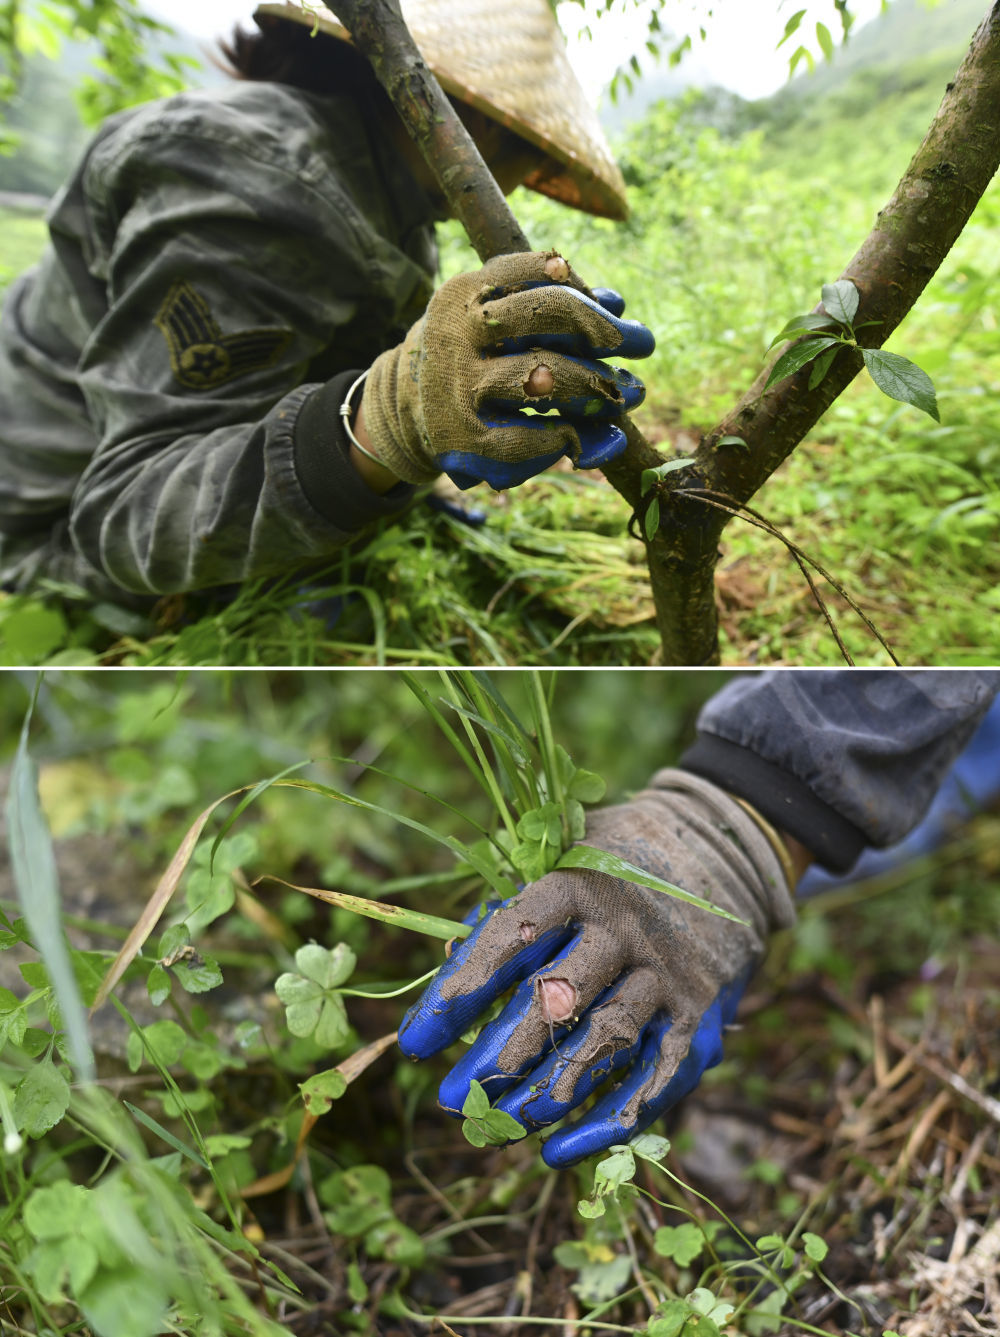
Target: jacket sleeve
<point>227,275</point>
<point>840,760</point>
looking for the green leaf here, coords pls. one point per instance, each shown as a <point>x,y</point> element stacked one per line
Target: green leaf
<point>801,53</point>
<point>812,320</point>
<point>401,1245</point>
<point>166,1040</point>
<point>57,1210</point>
<point>821,366</point>
<point>797,356</point>
<point>31,633</point>
<point>221,1144</point>
<point>53,1263</point>
<point>601,861</point>
<point>901,379</point>
<point>816,1248</point>
<point>501,1128</point>
<point>34,974</point>
<point>604,1279</point>
<point>477,1102</point>
<point>13,1027</point>
<point>474,1133</point>
<point>293,989</point>
<point>158,985</point>
<point>681,1243</point>
<point>357,1289</point>
<point>332,1026</point>
<point>586,787</point>
<point>125,1302</point>
<point>532,860</point>
<point>197,974</point>
<point>768,1243</point>
<point>591,1208</point>
<point>322,1089</point>
<point>736,441</point>
<point>173,940</point>
<point>669,1321</point>
<point>41,1099</point>
<point>544,823</point>
<point>706,1302</point>
<point>650,1146</point>
<point>328,966</point>
<point>651,520</point>
<point>791,26</point>
<point>825,40</point>
<point>576,819</point>
<point>650,476</point>
<point>841,300</point>
<point>615,1170</point>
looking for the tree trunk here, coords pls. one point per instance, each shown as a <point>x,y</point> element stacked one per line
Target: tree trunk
<point>911,237</point>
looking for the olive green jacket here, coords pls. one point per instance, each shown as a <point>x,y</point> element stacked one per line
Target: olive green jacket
<point>215,260</point>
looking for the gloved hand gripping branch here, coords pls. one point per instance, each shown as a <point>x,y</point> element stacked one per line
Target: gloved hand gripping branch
<point>614,977</point>
<point>451,397</point>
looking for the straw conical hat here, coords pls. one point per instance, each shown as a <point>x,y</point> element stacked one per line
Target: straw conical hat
<point>508,59</point>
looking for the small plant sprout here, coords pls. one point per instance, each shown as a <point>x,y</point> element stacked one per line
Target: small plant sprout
<point>484,1126</point>
<point>818,343</point>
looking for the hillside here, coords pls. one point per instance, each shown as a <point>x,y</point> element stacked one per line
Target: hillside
<point>910,34</point>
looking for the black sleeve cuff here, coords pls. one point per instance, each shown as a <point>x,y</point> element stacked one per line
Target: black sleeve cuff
<point>783,799</point>
<point>323,462</point>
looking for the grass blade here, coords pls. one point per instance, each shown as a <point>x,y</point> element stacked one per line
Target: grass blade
<point>36,879</point>
<point>157,903</point>
<point>399,915</point>
<point>164,1133</point>
<point>586,856</point>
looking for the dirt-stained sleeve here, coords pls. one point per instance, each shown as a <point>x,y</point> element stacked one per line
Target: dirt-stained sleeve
<point>840,759</point>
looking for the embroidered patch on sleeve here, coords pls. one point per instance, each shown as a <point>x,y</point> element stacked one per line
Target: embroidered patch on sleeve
<point>201,356</point>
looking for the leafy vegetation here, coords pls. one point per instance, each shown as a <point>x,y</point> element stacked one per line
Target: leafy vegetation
<point>733,227</point>
<point>253,1157</point>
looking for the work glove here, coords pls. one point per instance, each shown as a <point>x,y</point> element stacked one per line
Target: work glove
<point>637,982</point>
<point>450,397</point>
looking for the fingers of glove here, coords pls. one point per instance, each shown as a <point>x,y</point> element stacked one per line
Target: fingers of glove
<point>544,1004</point>
<point>564,320</point>
<point>580,387</point>
<point>590,443</point>
<point>498,953</point>
<point>493,1060</point>
<point>521,269</point>
<point>465,468</point>
<point>611,301</point>
<point>668,1066</point>
<point>606,1038</point>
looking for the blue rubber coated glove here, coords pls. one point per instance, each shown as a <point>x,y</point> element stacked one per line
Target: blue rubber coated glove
<point>519,335</point>
<point>611,977</point>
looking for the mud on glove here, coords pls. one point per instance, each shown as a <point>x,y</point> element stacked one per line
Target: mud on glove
<point>647,982</point>
<point>451,397</point>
